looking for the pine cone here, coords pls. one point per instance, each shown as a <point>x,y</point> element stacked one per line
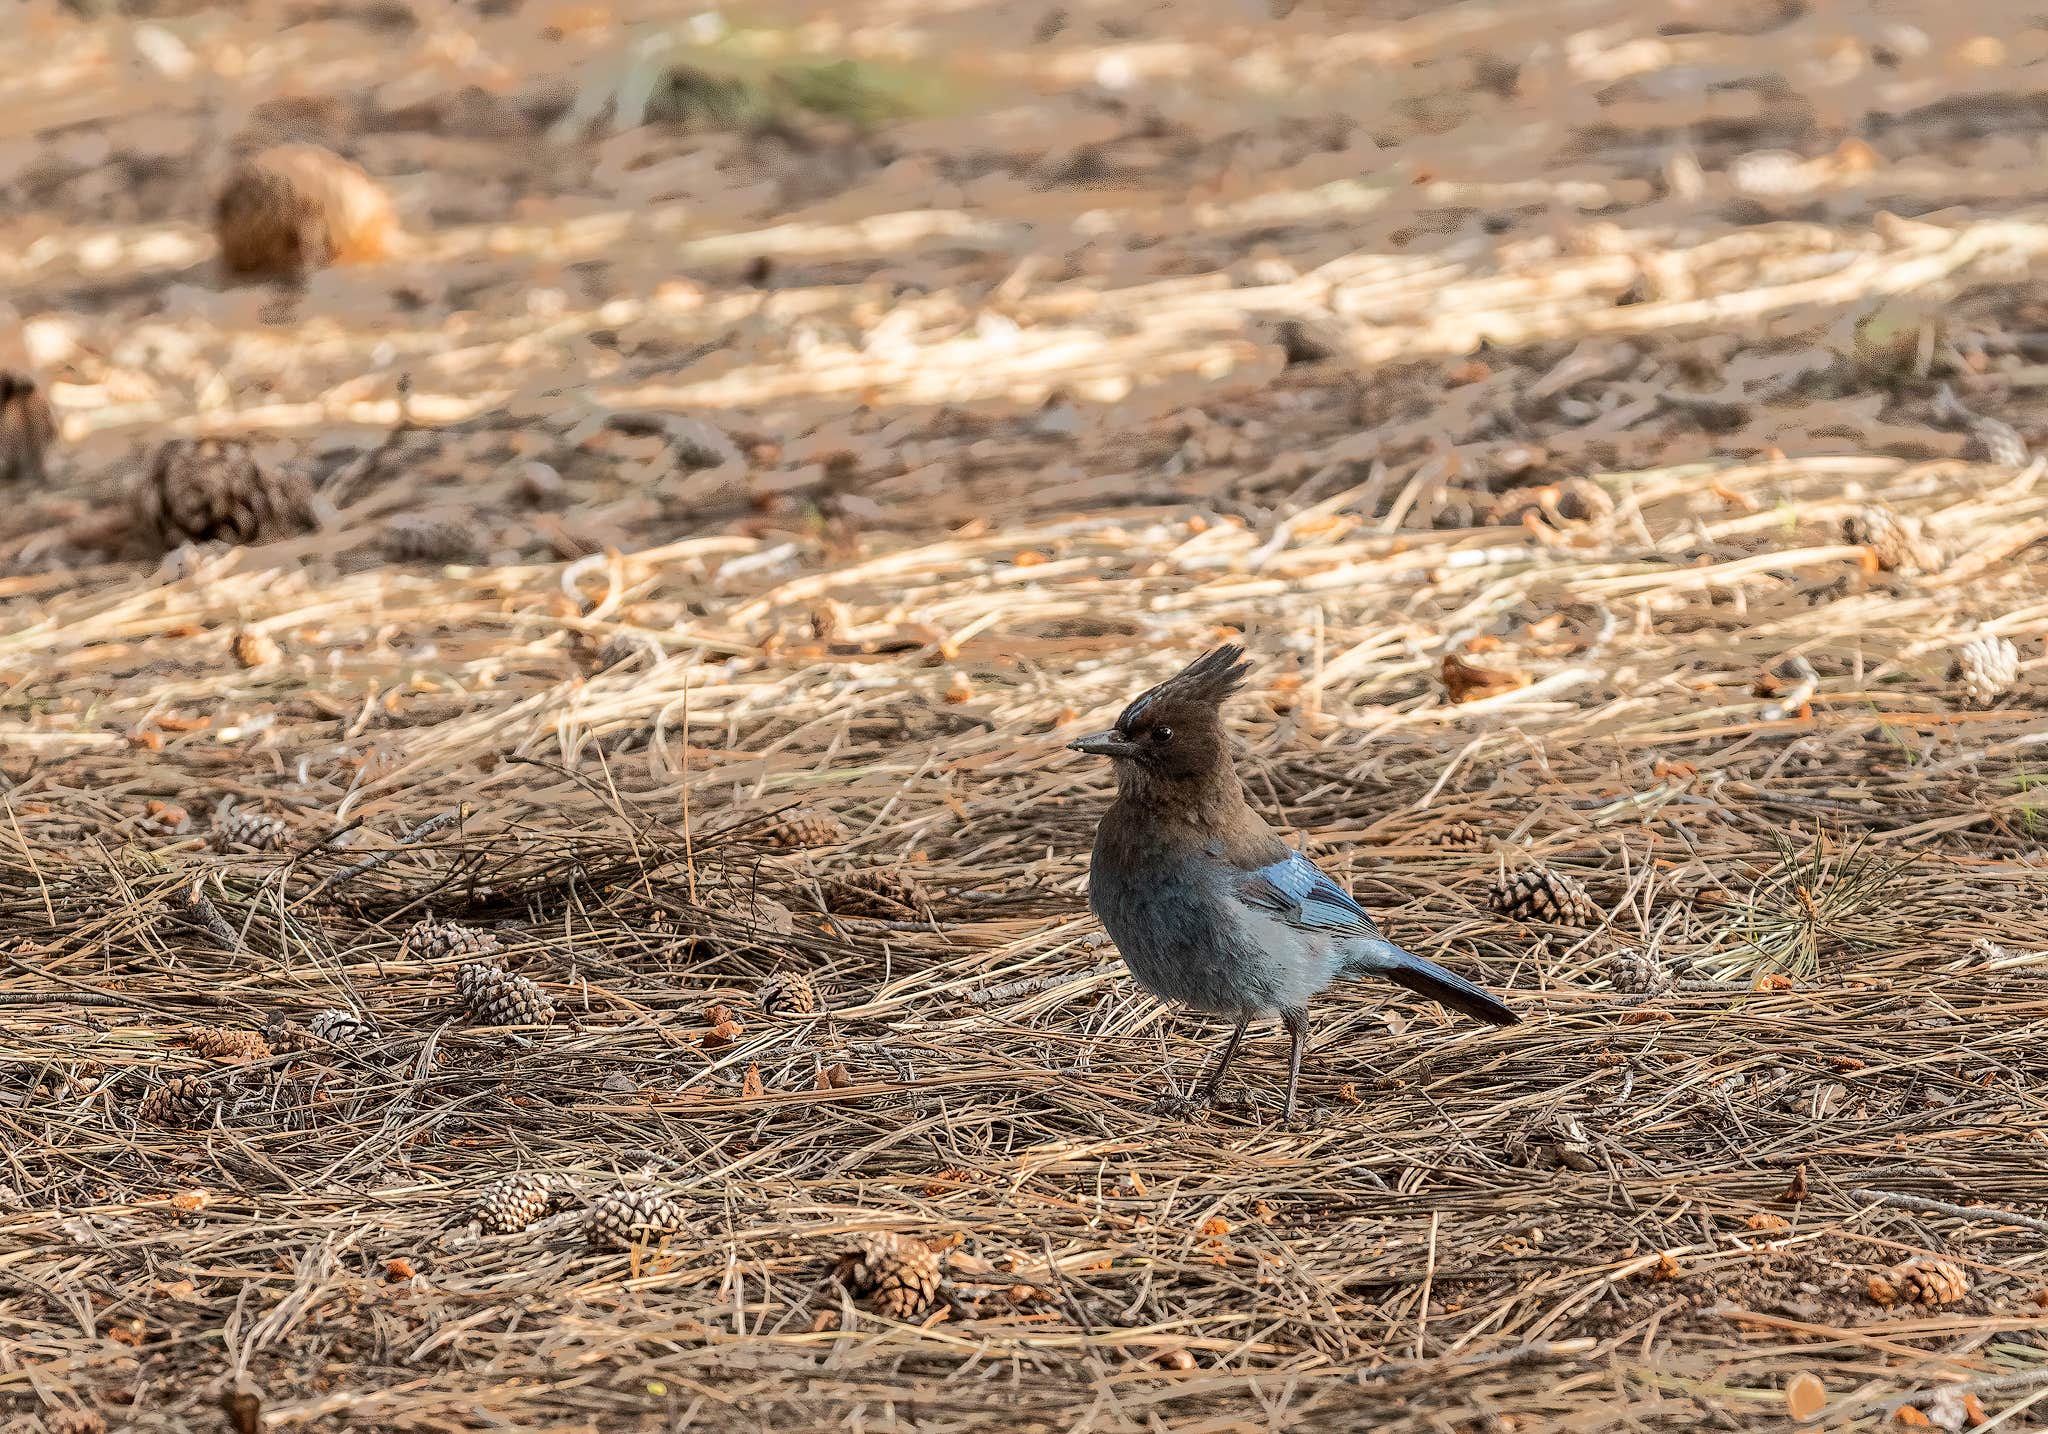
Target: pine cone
<point>255,649</point>
<point>428,538</point>
<point>1538,893</point>
<point>206,489</point>
<point>1923,1280</point>
<point>178,1103</point>
<point>877,891</point>
<point>807,826</point>
<point>496,997</point>
<point>899,1276</point>
<point>516,1202</point>
<point>27,428</point>
<point>290,1038</point>
<point>297,207</point>
<point>1986,668</point>
<point>249,831</point>
<point>786,995</point>
<point>226,1043</point>
<point>437,941</point>
<point>340,1027</point>
<point>1896,542</point>
<point>622,1219</point>
<point>1637,973</point>
<point>1456,834</point>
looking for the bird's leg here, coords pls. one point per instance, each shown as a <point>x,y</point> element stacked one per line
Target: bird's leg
<point>1214,1085</point>
<point>1297,1030</point>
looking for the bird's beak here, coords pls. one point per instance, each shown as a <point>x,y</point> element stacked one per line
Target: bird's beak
<point>1104,744</point>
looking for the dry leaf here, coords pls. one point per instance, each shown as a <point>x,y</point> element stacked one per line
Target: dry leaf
<point>1796,1191</point>
<point>398,1267</point>
<point>1805,1396</point>
<point>750,1084</point>
<point>1215,1227</point>
<point>1467,683</point>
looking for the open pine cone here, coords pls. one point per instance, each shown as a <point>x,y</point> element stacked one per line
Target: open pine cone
<point>877,891</point>
<point>1454,834</point>
<point>1985,669</point>
<point>249,831</point>
<point>178,1103</point>
<point>1538,893</point>
<point>787,994</point>
<point>1923,1280</point>
<point>622,1219</point>
<point>899,1276</point>
<point>340,1027</point>
<point>227,1043</point>
<point>496,997</point>
<point>297,207</point>
<point>27,428</point>
<point>807,826</point>
<point>515,1202</point>
<point>1896,542</point>
<point>1636,972</point>
<point>430,940</point>
<point>201,490</point>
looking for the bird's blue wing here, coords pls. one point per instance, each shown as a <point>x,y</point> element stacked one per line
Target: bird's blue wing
<point>1302,896</point>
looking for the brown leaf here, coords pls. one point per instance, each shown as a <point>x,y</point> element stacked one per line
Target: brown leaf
<point>750,1084</point>
<point>244,1409</point>
<point>1796,1191</point>
<point>1805,1396</point>
<point>1467,683</point>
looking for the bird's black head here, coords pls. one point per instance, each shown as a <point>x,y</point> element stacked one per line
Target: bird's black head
<point>1174,733</point>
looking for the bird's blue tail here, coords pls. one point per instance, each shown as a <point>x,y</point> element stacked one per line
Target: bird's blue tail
<point>1426,978</point>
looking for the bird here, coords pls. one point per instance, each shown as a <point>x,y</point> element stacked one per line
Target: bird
<point>1207,903</point>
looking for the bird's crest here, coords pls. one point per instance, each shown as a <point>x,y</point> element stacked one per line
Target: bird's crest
<point>1204,682</point>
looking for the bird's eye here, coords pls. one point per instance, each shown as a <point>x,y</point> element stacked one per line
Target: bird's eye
<point>1161,736</point>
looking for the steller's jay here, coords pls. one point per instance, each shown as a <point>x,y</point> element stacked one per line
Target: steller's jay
<point>1208,905</point>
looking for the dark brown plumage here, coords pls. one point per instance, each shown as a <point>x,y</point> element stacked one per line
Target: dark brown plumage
<point>200,490</point>
<point>27,428</point>
<point>297,207</point>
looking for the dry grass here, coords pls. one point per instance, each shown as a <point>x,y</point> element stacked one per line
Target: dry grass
<point>1635,1210</point>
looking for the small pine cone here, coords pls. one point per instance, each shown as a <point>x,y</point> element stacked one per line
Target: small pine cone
<point>178,1103</point>
<point>431,940</point>
<point>226,1043</point>
<point>297,207</point>
<point>1895,541</point>
<point>1539,894</point>
<point>1458,834</point>
<point>786,995</point>
<point>27,428</point>
<point>255,649</point>
<point>291,1039</point>
<point>877,891</point>
<point>1636,972</point>
<point>201,490</point>
<point>516,1202</point>
<point>249,831</point>
<point>807,826</point>
<point>1922,1280</point>
<point>1986,668</point>
<point>622,1219</point>
<point>339,1026</point>
<point>496,997</point>
<point>899,1276</point>
<point>427,538</point>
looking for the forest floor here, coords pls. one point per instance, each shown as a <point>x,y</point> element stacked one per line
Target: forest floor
<point>1675,366</point>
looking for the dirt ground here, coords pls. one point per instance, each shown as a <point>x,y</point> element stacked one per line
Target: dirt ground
<point>1674,366</point>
